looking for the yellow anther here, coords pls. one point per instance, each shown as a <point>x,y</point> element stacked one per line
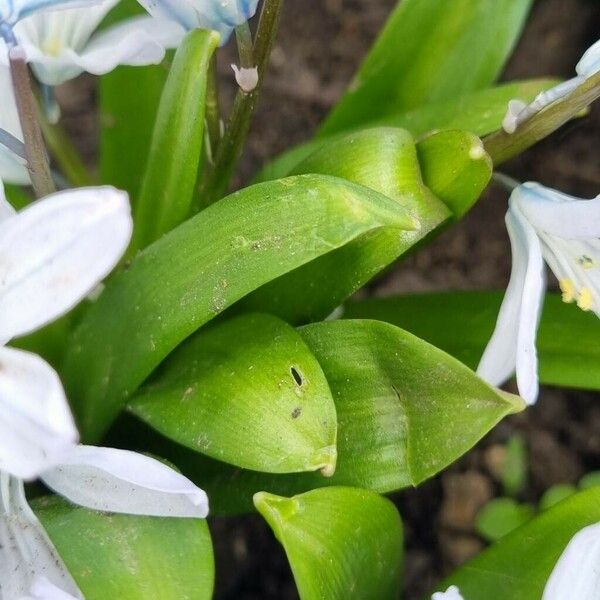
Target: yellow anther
<point>585,300</point>
<point>568,290</point>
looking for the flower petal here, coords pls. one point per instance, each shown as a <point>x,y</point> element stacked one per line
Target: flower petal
<point>36,427</point>
<point>12,169</point>
<point>590,61</point>
<point>513,342</point>
<point>179,11</point>
<point>557,213</point>
<point>136,41</point>
<point>45,37</point>
<point>27,556</point>
<point>576,574</point>
<point>11,12</point>
<point>44,589</point>
<point>534,285</point>
<point>452,593</point>
<point>55,252</point>
<point>121,481</point>
<point>219,15</point>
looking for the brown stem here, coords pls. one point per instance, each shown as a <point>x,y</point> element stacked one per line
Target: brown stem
<point>231,146</point>
<point>35,149</point>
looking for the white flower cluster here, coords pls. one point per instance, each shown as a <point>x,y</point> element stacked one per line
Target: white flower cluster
<point>60,41</point>
<point>52,254</point>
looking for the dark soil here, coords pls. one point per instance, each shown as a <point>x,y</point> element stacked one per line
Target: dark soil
<point>320,45</point>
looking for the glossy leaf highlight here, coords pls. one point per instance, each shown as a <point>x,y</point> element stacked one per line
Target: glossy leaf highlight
<point>405,411</point>
<point>342,543</point>
<point>199,269</point>
<point>248,392</point>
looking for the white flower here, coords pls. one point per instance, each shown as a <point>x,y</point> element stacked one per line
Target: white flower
<point>543,225</point>
<point>577,572</point>
<point>452,593</point>
<point>52,254</point>
<point>12,11</point>
<point>61,44</point>
<point>219,15</point>
<point>518,112</point>
<point>55,251</point>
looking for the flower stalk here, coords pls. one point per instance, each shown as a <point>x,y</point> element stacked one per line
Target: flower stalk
<point>38,163</point>
<point>502,146</point>
<point>217,180</point>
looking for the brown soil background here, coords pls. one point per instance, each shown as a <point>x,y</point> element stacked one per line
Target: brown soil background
<point>319,47</point>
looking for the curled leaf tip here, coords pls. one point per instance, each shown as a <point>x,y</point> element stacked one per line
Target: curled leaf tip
<point>275,509</point>
<point>517,404</point>
<point>325,460</point>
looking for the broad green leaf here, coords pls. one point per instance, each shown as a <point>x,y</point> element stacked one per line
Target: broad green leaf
<point>130,557</point>
<point>430,51</point>
<point>462,324</point>
<point>248,392</point>
<point>501,516</point>
<point>128,102</point>
<point>518,566</point>
<point>386,160</point>
<point>168,186</point>
<point>202,267</point>
<point>405,411</point>
<point>341,543</point>
<point>479,112</point>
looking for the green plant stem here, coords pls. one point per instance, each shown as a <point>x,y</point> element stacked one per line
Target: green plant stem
<point>66,156</point>
<point>243,35</point>
<point>502,146</point>
<point>217,180</point>
<point>213,111</point>
<point>35,149</point>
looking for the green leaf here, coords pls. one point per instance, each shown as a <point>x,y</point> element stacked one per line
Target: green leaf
<point>168,187</point>
<point>405,411</point>
<point>430,51</point>
<point>130,557</point>
<point>462,324</point>
<point>342,543</point>
<point>248,392</point>
<point>385,160</point>
<point>456,168</point>
<point>17,196</point>
<point>128,102</point>
<point>518,566</point>
<point>478,112</point>
<point>556,494</point>
<point>501,516</point>
<point>202,267</point>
